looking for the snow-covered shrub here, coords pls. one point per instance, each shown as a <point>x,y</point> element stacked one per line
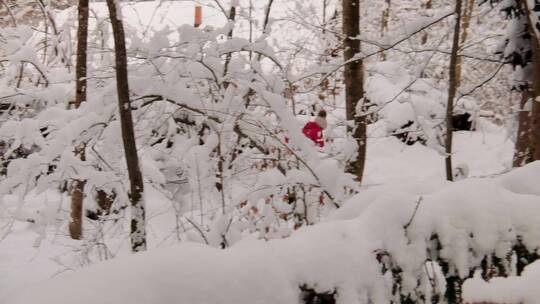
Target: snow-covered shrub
<point>211,128</point>
<point>399,246</point>
<point>413,108</point>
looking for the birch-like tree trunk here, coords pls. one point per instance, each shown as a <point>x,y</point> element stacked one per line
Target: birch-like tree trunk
<point>354,84</point>
<point>77,194</point>
<point>138,218</point>
<point>452,89</point>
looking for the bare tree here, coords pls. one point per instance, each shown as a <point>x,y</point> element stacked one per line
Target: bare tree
<point>138,217</point>
<point>452,88</point>
<point>354,84</point>
<point>77,194</point>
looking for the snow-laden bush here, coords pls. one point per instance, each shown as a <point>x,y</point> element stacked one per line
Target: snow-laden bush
<point>214,133</point>
<point>399,246</point>
<point>413,107</point>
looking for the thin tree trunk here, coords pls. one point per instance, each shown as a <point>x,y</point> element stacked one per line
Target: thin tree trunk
<point>427,5</point>
<point>354,84</point>
<point>535,110</point>
<point>522,152</point>
<point>250,16</point>
<point>385,20</point>
<point>232,18</point>
<point>265,23</point>
<point>138,229</point>
<point>466,22</point>
<point>325,5</point>
<point>452,88</point>
<point>77,195</point>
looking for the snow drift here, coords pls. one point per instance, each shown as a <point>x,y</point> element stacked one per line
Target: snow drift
<point>472,219</point>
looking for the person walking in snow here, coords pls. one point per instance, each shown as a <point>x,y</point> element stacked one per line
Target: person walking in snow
<point>314,129</point>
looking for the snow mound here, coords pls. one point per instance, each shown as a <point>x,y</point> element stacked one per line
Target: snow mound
<point>189,273</point>
<point>523,289</point>
<point>523,180</point>
<point>389,237</point>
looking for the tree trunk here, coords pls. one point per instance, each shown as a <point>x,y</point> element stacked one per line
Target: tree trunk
<point>82,47</point>
<point>454,286</point>
<point>535,110</point>
<point>452,88</point>
<point>354,84</point>
<point>77,194</point>
<point>138,229</point>
<point>385,20</point>
<point>428,5</point>
<point>232,18</point>
<point>466,22</point>
<point>324,8</point>
<point>522,153</point>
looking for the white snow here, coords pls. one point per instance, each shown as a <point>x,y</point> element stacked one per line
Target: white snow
<point>404,207</point>
<point>189,273</point>
<point>513,289</point>
<point>471,217</point>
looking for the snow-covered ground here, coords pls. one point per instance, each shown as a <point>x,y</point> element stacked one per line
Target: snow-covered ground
<point>39,267</point>
<point>390,161</point>
<point>337,255</point>
<point>391,165</point>
<point>513,289</point>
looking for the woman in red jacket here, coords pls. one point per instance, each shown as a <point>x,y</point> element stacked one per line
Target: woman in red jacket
<point>314,129</point>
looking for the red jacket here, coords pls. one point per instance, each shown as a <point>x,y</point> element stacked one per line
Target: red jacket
<point>314,132</point>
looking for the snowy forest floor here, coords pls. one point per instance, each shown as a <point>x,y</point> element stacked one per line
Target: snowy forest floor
<point>25,258</point>
<point>38,266</point>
